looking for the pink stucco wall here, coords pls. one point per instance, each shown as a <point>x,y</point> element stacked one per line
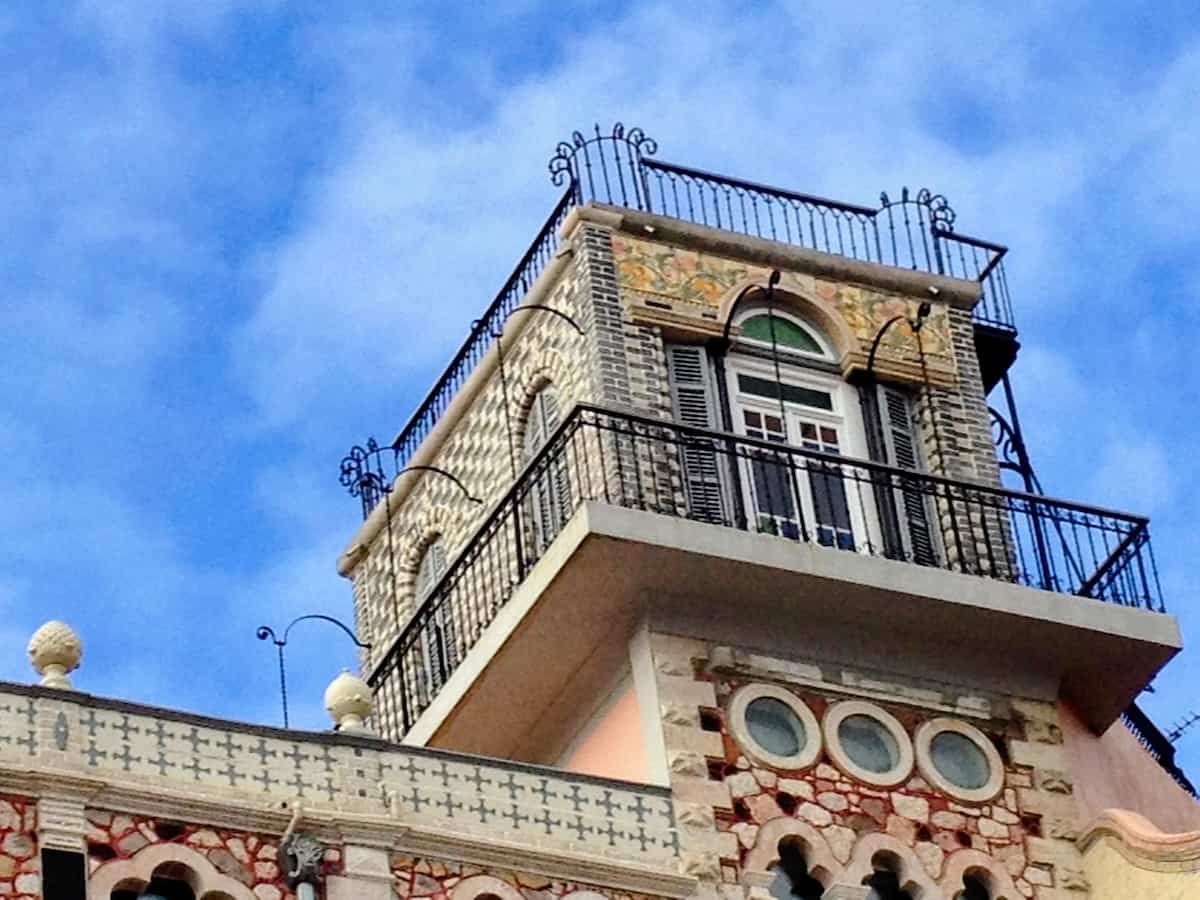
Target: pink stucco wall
<point>613,743</point>
<point>1112,771</point>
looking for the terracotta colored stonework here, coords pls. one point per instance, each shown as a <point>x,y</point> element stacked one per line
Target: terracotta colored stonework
<point>249,858</point>
<point>20,869</point>
<point>436,879</point>
<point>933,824</point>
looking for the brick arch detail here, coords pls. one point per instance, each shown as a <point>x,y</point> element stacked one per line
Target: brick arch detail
<point>141,866</point>
<point>418,538</point>
<point>966,861</point>
<point>548,367</point>
<point>476,885</point>
<point>821,862</point>
<point>912,874</point>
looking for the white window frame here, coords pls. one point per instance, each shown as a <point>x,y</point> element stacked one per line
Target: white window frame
<point>845,418</point>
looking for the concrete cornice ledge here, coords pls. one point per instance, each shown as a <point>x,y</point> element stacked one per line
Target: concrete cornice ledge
<point>1141,842</point>
<point>957,292</point>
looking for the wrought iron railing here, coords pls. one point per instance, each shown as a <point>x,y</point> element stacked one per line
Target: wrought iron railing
<point>752,485</point>
<point>1157,745</point>
<point>483,332</point>
<point>915,231</point>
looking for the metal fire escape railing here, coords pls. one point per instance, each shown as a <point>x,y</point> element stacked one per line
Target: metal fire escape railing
<point>737,482</point>
<point>914,231</point>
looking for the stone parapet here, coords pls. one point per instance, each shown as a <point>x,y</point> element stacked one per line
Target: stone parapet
<point>128,755</point>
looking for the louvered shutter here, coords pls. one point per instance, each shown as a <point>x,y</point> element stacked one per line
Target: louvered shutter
<point>692,394</point>
<point>913,505</point>
<point>550,492</point>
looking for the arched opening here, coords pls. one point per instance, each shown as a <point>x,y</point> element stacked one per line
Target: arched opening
<point>884,880</point>
<point>784,388</point>
<point>437,638</point>
<point>777,380</point>
<point>159,888</point>
<point>976,886</point>
<point>793,880</point>
<point>549,491</point>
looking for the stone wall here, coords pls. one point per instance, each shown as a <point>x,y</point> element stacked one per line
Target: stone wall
<point>417,877</point>
<point>251,859</point>
<point>733,811</point>
<point>20,868</point>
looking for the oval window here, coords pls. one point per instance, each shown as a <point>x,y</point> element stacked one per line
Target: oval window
<point>775,726</point>
<point>959,760</point>
<point>869,743</point>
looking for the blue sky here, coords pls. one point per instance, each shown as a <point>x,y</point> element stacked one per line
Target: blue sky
<point>241,235</point>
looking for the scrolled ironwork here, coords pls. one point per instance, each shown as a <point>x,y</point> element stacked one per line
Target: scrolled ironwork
<point>364,475</point>
<point>604,168</point>
<point>1005,442</point>
<point>267,633</point>
<point>362,479</point>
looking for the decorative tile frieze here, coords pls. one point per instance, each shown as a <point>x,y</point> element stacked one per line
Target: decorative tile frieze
<point>461,795</point>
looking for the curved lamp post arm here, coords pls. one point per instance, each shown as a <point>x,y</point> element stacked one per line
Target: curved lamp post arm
<point>498,335</point>
<point>266,632</point>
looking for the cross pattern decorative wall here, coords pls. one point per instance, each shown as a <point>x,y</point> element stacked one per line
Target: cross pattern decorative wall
<point>450,792</point>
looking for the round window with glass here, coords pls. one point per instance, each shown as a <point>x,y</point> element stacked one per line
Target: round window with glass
<point>959,759</point>
<point>774,727</point>
<point>868,743</point>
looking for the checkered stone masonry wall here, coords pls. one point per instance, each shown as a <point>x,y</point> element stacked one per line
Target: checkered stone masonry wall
<point>20,868</point>
<point>723,800</point>
<point>261,768</point>
<point>477,452</point>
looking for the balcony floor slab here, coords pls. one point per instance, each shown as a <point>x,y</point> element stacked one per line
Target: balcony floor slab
<point>564,632</point>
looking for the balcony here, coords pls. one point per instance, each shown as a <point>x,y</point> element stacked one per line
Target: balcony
<point>913,230</point>
<point>798,514</point>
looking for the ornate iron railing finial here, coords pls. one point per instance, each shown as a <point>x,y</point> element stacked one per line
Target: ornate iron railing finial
<point>605,168</point>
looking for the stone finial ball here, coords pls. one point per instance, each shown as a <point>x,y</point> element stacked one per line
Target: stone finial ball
<point>348,700</point>
<point>55,650</point>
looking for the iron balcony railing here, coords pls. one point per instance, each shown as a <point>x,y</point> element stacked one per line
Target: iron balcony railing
<point>752,485</point>
<point>915,231</point>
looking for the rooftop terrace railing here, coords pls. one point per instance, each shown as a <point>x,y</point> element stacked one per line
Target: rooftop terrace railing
<point>1157,745</point>
<point>750,485</point>
<point>914,231</point>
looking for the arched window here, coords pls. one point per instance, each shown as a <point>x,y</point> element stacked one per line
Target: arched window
<point>549,491</point>
<point>544,416</point>
<point>438,649</point>
<point>974,888</point>
<point>158,889</point>
<point>786,390</point>
<point>430,570</point>
<point>789,333</point>
<point>884,880</point>
<point>792,880</point>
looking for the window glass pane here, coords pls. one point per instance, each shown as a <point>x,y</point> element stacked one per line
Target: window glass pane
<point>775,726</point>
<point>787,333</point>
<point>868,743</point>
<point>792,393</point>
<point>959,760</point>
